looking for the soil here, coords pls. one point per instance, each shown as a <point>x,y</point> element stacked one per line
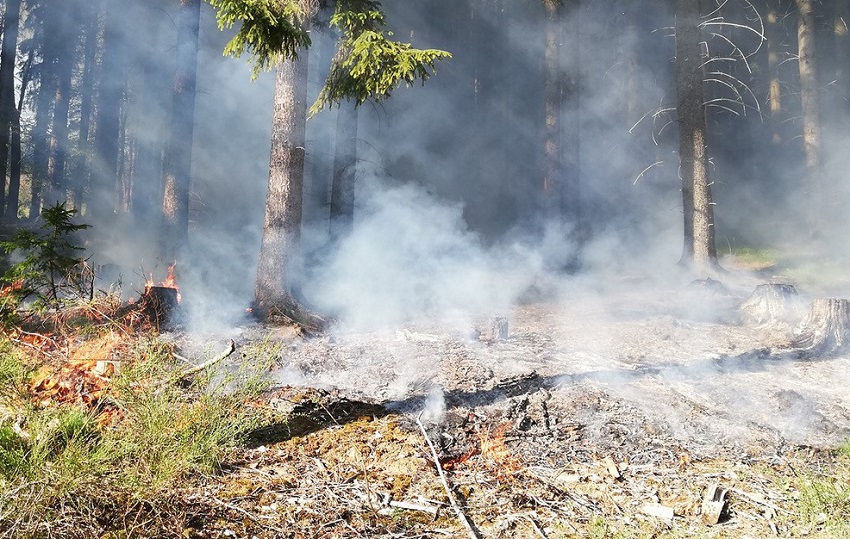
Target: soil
<point>607,413</point>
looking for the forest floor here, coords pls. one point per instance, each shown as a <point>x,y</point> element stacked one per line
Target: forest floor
<point>608,414</point>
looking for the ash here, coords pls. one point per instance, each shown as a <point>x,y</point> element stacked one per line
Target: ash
<point>636,375</point>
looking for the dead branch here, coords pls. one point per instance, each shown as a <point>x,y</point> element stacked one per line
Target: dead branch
<point>460,514</point>
<point>209,363</point>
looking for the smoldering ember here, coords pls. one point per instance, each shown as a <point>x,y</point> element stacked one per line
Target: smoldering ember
<point>453,268</point>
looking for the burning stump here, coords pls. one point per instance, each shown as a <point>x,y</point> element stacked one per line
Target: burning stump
<point>770,304</point>
<point>159,304</point>
<point>826,328</point>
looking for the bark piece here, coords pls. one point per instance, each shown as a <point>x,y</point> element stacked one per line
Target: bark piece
<point>825,330</point>
<point>770,304</point>
<point>713,505</point>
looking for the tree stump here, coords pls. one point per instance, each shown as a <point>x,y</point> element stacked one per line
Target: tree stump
<point>825,331</point>
<point>159,304</point>
<point>496,329</point>
<point>772,303</point>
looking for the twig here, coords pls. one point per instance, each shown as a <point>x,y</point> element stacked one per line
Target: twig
<point>209,363</point>
<point>460,515</point>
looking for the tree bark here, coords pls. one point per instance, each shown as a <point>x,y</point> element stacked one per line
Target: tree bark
<point>553,83</point>
<point>811,111</point>
<point>699,251</point>
<point>82,167</point>
<point>41,142</point>
<point>8,54</point>
<point>344,171</point>
<point>61,105</point>
<point>101,205</point>
<point>280,248</point>
<point>16,153</point>
<point>774,34</point>
<point>177,164</point>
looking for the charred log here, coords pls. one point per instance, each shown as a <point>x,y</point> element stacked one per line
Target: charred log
<point>771,303</point>
<point>825,331</point>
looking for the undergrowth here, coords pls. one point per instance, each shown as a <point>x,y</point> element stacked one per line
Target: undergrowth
<point>65,471</point>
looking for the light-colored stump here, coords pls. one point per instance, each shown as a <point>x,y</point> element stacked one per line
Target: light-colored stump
<point>772,303</point>
<point>825,331</point>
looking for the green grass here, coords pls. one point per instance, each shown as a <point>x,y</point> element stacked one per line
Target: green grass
<point>754,258</point>
<point>56,457</point>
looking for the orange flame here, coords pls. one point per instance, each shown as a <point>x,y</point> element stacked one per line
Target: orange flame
<point>494,449</point>
<point>169,282</point>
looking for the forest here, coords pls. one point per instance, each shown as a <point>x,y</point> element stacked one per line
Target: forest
<point>484,268</point>
<point>569,128</point>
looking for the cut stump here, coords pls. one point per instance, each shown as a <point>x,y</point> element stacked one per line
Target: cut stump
<point>825,330</point>
<point>160,304</point>
<point>772,303</point>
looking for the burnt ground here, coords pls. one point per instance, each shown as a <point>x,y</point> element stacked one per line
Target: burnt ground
<point>605,414</point>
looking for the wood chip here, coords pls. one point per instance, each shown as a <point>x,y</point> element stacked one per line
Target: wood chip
<point>713,505</point>
<point>659,511</point>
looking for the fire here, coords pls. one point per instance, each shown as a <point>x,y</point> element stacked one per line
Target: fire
<point>169,282</point>
<point>494,449</point>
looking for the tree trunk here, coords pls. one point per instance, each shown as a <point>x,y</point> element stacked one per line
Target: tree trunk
<point>811,112</point>
<point>16,153</point>
<point>774,34</point>
<point>81,168</point>
<point>41,142</point>
<point>278,267</point>
<point>8,54</point>
<point>101,205</point>
<point>553,82</point>
<point>344,171</point>
<point>177,164</point>
<point>699,248</point>
<point>825,331</point>
<point>61,104</point>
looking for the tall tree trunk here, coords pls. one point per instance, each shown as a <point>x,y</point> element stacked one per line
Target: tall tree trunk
<point>810,110</point>
<point>699,248</point>
<point>101,203</point>
<point>16,153</point>
<point>280,247</point>
<point>344,172</point>
<point>8,54</point>
<point>553,82</point>
<point>41,142</point>
<point>61,104</point>
<point>774,34</point>
<point>82,166</point>
<point>561,148</point>
<point>174,236</point>
<point>841,34</point>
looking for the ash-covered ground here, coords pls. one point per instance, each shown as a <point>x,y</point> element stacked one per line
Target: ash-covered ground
<point>617,369</point>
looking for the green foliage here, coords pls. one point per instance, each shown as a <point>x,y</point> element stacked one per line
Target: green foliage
<point>369,64</point>
<point>50,262</point>
<point>271,31</point>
